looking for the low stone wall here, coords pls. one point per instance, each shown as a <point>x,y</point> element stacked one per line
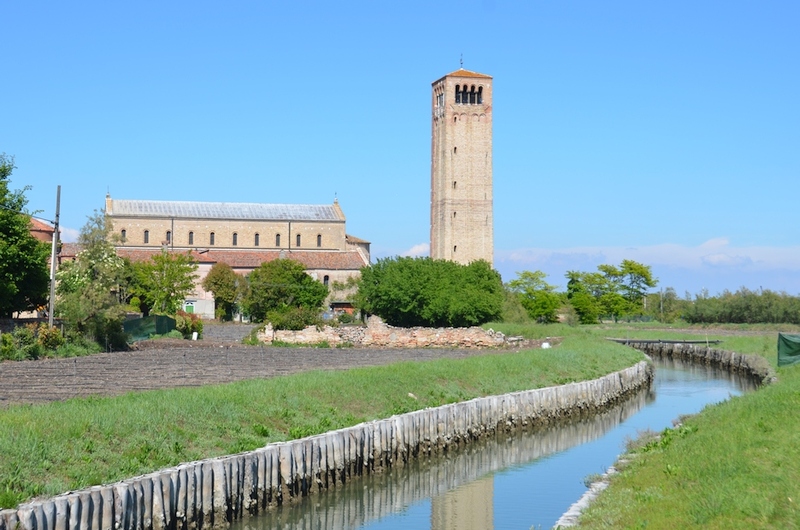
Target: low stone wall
<point>212,493</point>
<point>379,334</point>
<point>754,366</point>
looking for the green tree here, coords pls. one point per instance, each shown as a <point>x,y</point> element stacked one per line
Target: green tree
<point>634,280</point>
<point>538,297</point>
<point>24,278</point>
<point>281,285</point>
<point>224,283</point>
<point>164,281</point>
<point>91,289</point>
<point>424,292</point>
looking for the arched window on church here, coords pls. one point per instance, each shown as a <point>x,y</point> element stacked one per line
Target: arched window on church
<point>480,95</point>
<point>472,95</point>
<point>123,234</point>
<point>211,238</point>
<point>169,237</point>
<point>277,240</point>
<point>319,240</point>
<point>191,238</point>
<point>255,240</point>
<point>235,240</point>
<point>325,280</point>
<point>146,237</point>
<point>458,94</point>
<point>298,240</point>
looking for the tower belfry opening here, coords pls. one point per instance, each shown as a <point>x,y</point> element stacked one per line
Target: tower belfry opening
<point>461,152</point>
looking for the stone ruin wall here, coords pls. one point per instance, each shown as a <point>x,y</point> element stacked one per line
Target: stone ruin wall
<point>379,334</point>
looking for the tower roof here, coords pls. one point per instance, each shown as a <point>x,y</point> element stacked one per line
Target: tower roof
<point>463,73</point>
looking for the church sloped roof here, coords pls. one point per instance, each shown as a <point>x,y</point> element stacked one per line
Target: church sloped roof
<point>224,210</point>
<point>238,259</point>
<point>463,73</point>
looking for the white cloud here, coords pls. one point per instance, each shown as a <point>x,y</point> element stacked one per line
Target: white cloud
<point>716,263</point>
<point>422,249</point>
<point>69,235</point>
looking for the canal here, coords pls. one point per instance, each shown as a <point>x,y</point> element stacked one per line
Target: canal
<point>509,482</point>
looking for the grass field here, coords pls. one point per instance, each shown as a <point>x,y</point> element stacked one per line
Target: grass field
<point>734,465</point>
<point>52,448</point>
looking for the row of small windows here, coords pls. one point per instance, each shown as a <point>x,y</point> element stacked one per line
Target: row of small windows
<point>212,238</point>
<point>468,95</point>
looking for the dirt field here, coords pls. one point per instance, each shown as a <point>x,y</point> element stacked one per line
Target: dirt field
<point>218,358</point>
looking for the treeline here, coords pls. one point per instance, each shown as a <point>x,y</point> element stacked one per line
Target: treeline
<point>744,307</point>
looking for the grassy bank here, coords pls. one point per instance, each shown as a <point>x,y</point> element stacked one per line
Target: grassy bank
<point>49,449</point>
<point>734,465</point>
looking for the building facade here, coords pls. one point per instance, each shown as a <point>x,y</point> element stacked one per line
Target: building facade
<point>242,235</point>
<point>461,168</point>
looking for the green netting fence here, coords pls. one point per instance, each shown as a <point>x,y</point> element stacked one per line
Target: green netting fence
<point>144,328</point>
<point>788,349</point>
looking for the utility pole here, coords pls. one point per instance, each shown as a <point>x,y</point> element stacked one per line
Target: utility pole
<point>52,306</point>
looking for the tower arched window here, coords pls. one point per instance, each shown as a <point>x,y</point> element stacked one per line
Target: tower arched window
<point>211,238</point>
<point>235,239</point>
<point>277,240</point>
<point>458,94</point>
<point>298,240</point>
<point>480,95</point>
<point>255,240</point>
<point>191,238</point>
<point>319,240</point>
<point>146,237</point>
<point>454,248</point>
<point>472,95</point>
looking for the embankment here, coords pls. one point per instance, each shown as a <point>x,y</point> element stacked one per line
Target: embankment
<point>211,493</point>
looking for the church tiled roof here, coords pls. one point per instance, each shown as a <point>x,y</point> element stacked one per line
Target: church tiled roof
<point>467,73</point>
<point>224,210</point>
<point>244,259</point>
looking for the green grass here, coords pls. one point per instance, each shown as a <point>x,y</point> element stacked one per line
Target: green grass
<point>52,448</point>
<point>734,465</point>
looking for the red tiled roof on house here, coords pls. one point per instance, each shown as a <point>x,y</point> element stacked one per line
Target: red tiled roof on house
<point>41,230</point>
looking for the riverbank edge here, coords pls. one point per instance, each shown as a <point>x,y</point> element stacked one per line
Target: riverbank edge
<point>750,365</point>
<point>211,493</point>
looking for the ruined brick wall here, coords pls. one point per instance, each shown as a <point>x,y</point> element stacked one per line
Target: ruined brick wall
<point>379,334</point>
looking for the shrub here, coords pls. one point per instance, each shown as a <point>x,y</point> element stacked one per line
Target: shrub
<point>188,323</point>
<point>294,318</point>
<point>345,318</point>
<point>49,337</point>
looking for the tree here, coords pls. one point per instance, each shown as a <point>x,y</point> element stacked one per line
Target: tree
<point>425,292</point>
<point>223,282</point>
<point>164,281</point>
<point>281,285</point>
<point>635,278</point>
<point>24,278</point>
<point>538,297</point>
<point>91,289</point>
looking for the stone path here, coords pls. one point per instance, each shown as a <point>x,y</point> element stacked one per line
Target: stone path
<point>218,358</point>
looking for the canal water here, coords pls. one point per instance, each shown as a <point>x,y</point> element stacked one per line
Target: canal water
<point>527,480</point>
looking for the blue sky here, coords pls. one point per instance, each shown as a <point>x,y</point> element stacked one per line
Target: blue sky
<point>667,133</point>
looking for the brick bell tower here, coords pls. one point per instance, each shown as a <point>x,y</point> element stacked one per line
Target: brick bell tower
<point>461,168</point>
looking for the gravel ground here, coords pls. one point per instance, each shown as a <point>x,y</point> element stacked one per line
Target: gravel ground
<point>218,358</point>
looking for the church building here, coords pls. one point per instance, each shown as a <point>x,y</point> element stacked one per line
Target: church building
<point>242,235</point>
<point>461,168</point>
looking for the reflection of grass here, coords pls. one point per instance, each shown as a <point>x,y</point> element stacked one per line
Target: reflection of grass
<point>734,465</point>
<point>48,449</point>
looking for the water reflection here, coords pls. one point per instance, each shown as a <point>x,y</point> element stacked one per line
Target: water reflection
<point>525,480</point>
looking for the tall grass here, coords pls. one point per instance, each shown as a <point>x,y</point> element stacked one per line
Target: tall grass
<point>52,448</point>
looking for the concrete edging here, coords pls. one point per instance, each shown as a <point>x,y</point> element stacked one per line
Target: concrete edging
<point>211,493</point>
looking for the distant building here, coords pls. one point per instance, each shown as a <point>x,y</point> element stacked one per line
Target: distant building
<point>461,168</point>
<point>242,235</point>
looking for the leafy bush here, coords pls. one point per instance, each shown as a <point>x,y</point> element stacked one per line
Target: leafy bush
<point>345,318</point>
<point>188,323</point>
<point>425,292</point>
<point>280,285</point>
<point>294,318</point>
